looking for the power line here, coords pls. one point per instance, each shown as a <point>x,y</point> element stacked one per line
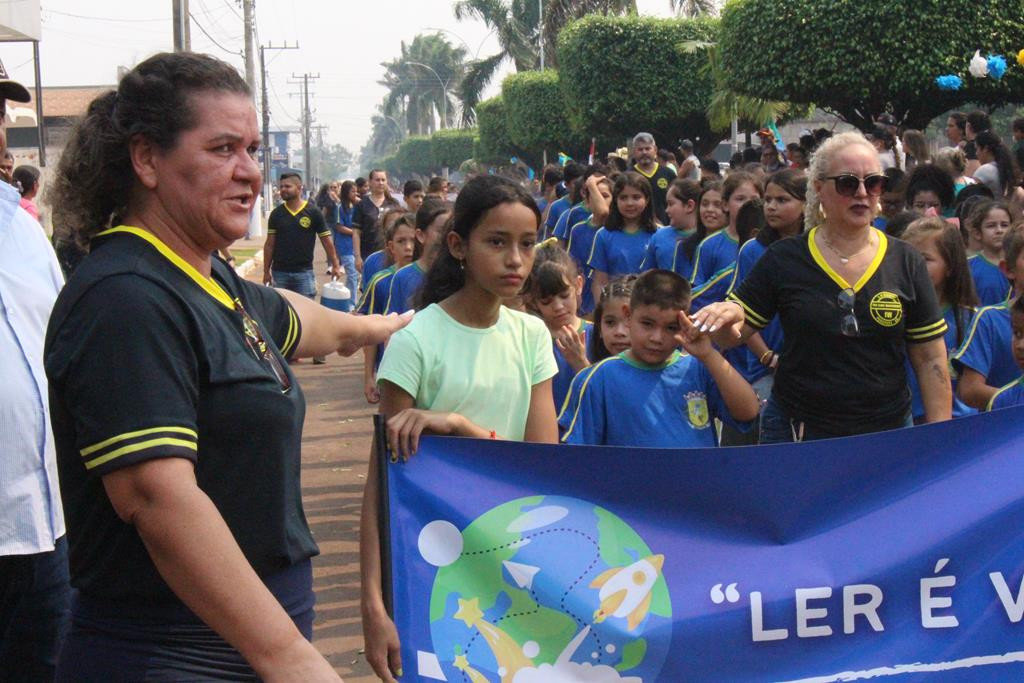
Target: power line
<point>95,18</point>
<point>211,38</point>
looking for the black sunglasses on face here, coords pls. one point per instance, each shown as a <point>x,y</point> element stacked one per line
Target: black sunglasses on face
<point>847,184</point>
<point>848,326</point>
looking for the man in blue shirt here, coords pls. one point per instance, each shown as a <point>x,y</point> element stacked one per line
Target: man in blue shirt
<point>34,591</point>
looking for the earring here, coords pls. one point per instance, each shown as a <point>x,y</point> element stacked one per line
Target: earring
<point>462,265</point>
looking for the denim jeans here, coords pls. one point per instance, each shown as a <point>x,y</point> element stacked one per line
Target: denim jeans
<point>301,282</point>
<point>34,613</point>
<point>351,274</point>
<point>778,427</point>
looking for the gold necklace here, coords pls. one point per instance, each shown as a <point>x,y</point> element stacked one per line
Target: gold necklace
<point>843,258</point>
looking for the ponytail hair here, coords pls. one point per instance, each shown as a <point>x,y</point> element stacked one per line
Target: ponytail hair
<point>478,196</point>
<point>95,179</point>
<point>1003,160</point>
<point>553,272</point>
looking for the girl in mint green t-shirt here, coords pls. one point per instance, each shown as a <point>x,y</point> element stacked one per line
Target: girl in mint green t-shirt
<point>465,366</point>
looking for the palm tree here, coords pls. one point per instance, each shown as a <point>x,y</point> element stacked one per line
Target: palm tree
<point>692,9</point>
<point>752,112</point>
<point>516,25</point>
<point>421,81</point>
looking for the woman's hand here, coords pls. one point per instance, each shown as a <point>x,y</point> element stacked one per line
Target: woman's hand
<point>373,330</point>
<point>382,647</point>
<point>695,341</point>
<point>573,348</point>
<point>723,320</point>
<point>404,429</point>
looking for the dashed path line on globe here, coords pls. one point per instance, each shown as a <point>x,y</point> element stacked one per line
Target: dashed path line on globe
<point>533,593</point>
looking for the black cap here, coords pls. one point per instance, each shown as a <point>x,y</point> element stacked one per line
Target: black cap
<point>886,119</point>
<point>10,89</point>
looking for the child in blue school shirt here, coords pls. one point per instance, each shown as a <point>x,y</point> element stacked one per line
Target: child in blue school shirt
<point>989,224</point>
<point>406,283</point>
<point>621,245</point>
<point>652,395</point>
<point>985,360</point>
<point>597,195</point>
<point>681,202</point>
<point>1012,394</point>
<point>553,293</point>
<point>715,260</point>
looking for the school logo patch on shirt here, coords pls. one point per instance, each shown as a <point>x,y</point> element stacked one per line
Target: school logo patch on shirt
<point>305,221</point>
<point>886,309</point>
<point>697,410</point>
<point>662,183</point>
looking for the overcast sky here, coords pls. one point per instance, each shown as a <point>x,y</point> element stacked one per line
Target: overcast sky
<point>83,43</point>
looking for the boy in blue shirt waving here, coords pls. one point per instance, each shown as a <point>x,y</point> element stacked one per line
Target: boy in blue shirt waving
<point>652,395</point>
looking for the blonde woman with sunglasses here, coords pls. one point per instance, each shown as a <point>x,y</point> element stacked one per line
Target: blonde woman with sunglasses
<point>853,304</point>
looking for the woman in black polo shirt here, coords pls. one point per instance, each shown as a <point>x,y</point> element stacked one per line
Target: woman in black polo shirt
<point>853,305</point>
<point>176,418</point>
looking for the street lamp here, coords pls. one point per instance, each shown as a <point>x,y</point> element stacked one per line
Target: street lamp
<point>479,47</point>
<point>444,92</point>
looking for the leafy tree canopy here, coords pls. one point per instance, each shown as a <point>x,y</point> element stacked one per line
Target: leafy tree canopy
<point>859,59</point>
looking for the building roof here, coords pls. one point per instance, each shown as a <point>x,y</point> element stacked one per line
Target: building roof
<point>62,101</point>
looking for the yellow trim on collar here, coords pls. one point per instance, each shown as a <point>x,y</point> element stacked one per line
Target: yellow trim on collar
<point>296,213</point>
<point>819,258</point>
<point>209,285</point>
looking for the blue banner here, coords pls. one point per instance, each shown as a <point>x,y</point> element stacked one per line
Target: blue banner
<point>894,554</point>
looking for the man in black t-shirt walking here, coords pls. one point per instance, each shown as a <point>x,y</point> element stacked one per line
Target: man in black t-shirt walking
<point>292,230</point>
<point>646,154</point>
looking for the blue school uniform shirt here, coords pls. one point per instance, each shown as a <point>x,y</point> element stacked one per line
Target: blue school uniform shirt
<point>992,286</point>
<point>561,382</point>
<point>959,407</point>
<point>568,219</point>
<point>681,263</point>
<point>987,349</point>
<point>343,243</point>
<point>621,402</point>
<point>404,288</point>
<point>581,242</point>
<point>714,263</point>
<point>374,263</point>
<point>1008,396</point>
<point>375,299</point>
<point>661,250</point>
<point>558,207</point>
<point>741,357</point>
<point>617,252</point>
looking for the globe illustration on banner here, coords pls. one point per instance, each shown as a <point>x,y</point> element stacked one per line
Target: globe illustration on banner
<point>545,589</point>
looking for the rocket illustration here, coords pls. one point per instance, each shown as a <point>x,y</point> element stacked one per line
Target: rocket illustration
<point>626,591</point>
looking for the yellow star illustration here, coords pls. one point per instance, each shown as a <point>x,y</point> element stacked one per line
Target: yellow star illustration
<point>461,662</point>
<point>469,612</point>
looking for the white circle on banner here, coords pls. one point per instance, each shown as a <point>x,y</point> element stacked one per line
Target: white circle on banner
<point>440,543</point>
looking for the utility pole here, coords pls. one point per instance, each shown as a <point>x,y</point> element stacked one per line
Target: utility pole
<point>307,122</point>
<point>182,37</point>
<point>320,149</point>
<point>268,153</point>
<point>250,58</point>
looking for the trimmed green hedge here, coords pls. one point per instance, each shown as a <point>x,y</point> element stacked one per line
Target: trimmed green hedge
<point>860,59</point>
<point>415,155</point>
<point>494,143</point>
<point>623,75</point>
<point>535,113</point>
<point>452,146</point>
